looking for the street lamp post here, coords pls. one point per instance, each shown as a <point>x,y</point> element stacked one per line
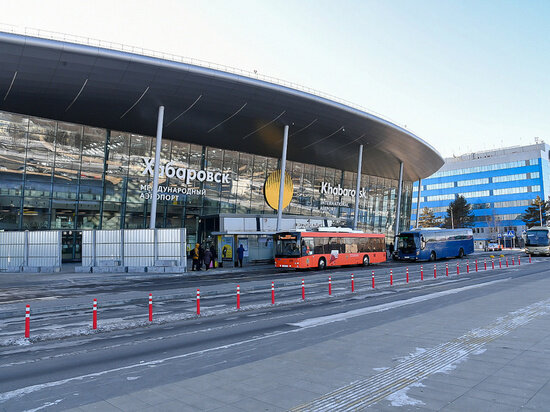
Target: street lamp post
<point>452,219</point>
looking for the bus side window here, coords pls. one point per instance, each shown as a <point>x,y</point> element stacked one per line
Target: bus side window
<point>334,244</point>
<point>318,249</point>
<point>352,245</point>
<point>381,245</point>
<point>307,246</point>
<point>364,245</point>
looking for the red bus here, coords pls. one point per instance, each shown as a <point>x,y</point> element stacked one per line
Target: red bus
<point>303,250</point>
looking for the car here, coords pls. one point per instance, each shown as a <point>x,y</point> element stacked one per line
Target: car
<point>492,247</point>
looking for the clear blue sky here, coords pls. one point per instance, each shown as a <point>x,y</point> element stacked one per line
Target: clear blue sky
<point>463,75</point>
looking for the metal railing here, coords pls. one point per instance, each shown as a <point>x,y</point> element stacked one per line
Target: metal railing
<point>89,41</point>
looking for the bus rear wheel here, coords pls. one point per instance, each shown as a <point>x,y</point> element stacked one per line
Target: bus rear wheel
<point>461,253</point>
<point>322,264</point>
<point>366,260</point>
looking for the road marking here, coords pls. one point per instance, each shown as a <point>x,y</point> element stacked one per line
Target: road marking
<point>366,392</point>
<point>323,320</point>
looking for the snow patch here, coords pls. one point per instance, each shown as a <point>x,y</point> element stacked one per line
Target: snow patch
<point>338,317</point>
<point>419,351</point>
<point>132,378</point>
<point>400,398</point>
<point>46,405</point>
<point>452,366</point>
<point>380,369</point>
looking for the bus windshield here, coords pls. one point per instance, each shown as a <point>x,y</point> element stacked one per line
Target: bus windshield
<point>408,243</point>
<point>537,238</point>
<point>287,245</point>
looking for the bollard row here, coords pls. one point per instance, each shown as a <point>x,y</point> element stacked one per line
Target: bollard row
<point>95,310</point>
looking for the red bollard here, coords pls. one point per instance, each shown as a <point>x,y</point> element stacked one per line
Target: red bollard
<point>484,264</point>
<point>28,321</point>
<point>458,268</point>
<point>499,263</point>
<point>94,317</point>
<point>446,269</point>
<point>407,275</point>
<point>272,293</point>
<point>352,284</point>
<point>493,264</point>
<point>421,273</point>
<point>329,285</point>
<point>391,277</point>
<point>519,261</point>
<point>150,307</point>
<point>303,290</point>
<point>435,271</point>
<point>198,302</point>
<point>373,279</point>
<point>238,297</point>
<point>529,258</point>
<point>467,266</point>
<point>506,261</point>
<point>476,265</point>
<point>513,264</point>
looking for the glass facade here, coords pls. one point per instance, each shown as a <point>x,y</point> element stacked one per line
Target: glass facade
<point>56,175</point>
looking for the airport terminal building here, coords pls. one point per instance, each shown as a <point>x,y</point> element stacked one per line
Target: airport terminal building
<point>78,136</point>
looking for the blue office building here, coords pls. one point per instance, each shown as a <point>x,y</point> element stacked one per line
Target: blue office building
<point>499,184</point>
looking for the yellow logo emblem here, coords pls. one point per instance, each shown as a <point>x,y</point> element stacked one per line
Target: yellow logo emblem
<point>271,190</point>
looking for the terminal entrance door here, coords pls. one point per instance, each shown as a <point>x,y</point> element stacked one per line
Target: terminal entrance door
<point>192,230</point>
<point>71,246</point>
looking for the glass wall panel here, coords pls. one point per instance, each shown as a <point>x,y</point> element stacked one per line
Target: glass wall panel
<point>52,176</point>
<point>244,186</point>
<point>229,190</point>
<point>259,174</point>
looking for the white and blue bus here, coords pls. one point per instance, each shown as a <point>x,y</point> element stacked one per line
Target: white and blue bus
<point>434,243</point>
<point>537,241</point>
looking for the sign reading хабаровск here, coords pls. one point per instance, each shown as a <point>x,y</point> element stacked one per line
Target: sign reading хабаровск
<point>187,176</point>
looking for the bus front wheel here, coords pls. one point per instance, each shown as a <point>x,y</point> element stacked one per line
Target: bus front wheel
<point>461,253</point>
<point>432,256</point>
<point>366,260</point>
<point>322,263</point>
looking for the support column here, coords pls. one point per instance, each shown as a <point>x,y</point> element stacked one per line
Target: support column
<point>282,183</point>
<point>153,218</point>
<point>418,202</point>
<point>398,216</point>
<point>358,188</point>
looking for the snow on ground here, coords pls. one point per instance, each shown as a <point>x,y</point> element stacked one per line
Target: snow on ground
<point>400,398</point>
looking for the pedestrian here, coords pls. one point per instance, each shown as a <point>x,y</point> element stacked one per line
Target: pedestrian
<point>240,254</point>
<point>207,258</point>
<point>214,255</point>
<point>201,256</point>
<point>195,257</point>
<point>391,248</point>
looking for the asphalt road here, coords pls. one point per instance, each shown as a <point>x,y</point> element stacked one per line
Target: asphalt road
<point>66,364</point>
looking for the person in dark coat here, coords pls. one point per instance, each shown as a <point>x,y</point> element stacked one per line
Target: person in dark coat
<point>214,254</point>
<point>207,258</point>
<point>201,257</point>
<point>240,254</point>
